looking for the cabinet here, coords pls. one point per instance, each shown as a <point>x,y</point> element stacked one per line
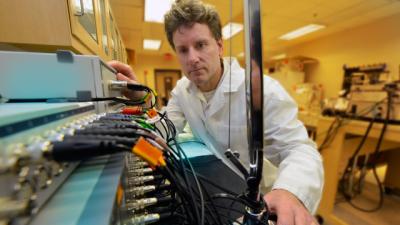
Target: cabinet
<point>82,26</point>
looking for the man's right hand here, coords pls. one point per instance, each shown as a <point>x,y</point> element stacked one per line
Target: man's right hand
<point>124,71</point>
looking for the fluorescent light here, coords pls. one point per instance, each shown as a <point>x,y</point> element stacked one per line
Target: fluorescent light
<point>240,55</point>
<point>230,29</point>
<point>301,31</point>
<point>154,10</point>
<point>280,56</point>
<point>151,44</point>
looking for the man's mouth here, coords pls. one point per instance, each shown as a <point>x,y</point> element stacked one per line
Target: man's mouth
<point>196,70</point>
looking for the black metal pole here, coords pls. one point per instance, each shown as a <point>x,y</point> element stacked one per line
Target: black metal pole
<point>254,102</point>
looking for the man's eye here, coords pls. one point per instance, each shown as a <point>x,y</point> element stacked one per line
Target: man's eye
<point>182,50</point>
<point>201,45</point>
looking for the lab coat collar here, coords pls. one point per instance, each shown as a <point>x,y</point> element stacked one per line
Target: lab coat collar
<point>236,72</point>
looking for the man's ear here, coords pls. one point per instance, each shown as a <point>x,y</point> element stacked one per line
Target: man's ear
<point>220,44</point>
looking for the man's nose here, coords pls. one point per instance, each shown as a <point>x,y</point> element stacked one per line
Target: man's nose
<point>193,56</point>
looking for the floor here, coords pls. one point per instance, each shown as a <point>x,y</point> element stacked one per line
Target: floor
<point>389,214</point>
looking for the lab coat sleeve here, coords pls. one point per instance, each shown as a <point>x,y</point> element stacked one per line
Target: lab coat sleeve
<point>288,147</point>
<point>174,112</point>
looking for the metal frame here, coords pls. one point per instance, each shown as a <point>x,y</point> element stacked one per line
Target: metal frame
<point>254,103</point>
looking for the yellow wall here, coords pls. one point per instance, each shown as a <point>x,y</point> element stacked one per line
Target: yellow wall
<point>377,42</point>
<point>150,63</point>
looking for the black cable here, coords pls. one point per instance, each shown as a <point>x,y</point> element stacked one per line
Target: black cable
<point>139,87</point>
<point>129,124</point>
<point>216,217</point>
<point>180,150</point>
<point>186,180</point>
<point>358,149</point>
<point>167,137</point>
<point>60,100</point>
<point>376,155</point>
<point>120,140</point>
<point>348,169</point>
<point>158,131</point>
<point>211,210</point>
<point>178,165</point>
<point>179,153</point>
<point>231,206</point>
<point>171,127</point>
<point>105,138</point>
<point>199,217</point>
<point>381,196</point>
<point>165,126</point>
<point>181,192</point>
<point>230,197</point>
<point>189,141</point>
<point>129,132</point>
<point>119,100</point>
<point>364,138</point>
<point>83,149</point>
<point>331,133</point>
<point>110,123</point>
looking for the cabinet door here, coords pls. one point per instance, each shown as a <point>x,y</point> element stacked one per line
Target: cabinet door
<point>119,46</point>
<point>83,15</point>
<point>104,30</point>
<point>114,39</point>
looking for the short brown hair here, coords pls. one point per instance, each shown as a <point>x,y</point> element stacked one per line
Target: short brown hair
<point>188,12</point>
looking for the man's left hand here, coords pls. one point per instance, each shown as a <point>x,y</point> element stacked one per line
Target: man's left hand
<point>288,208</point>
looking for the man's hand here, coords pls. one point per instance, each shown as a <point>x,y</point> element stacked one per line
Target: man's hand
<point>125,72</point>
<point>288,208</point>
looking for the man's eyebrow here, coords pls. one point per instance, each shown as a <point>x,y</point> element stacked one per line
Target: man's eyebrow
<point>197,41</point>
<point>180,46</point>
<point>202,40</point>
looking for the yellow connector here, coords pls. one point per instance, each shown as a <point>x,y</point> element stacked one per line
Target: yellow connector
<point>152,112</point>
<point>148,152</point>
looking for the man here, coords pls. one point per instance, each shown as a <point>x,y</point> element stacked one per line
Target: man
<point>201,99</point>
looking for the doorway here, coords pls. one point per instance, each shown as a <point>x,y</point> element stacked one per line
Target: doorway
<point>165,81</point>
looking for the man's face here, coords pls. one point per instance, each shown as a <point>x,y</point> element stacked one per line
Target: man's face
<point>199,55</point>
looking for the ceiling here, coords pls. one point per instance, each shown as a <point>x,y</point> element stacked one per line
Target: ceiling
<point>278,18</point>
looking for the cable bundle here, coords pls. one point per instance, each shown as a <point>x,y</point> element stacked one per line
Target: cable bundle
<point>346,186</point>
<point>166,187</point>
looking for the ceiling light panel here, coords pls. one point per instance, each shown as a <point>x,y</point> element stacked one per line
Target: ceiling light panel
<point>151,44</point>
<point>280,56</point>
<point>301,31</point>
<point>231,29</point>
<point>154,10</point>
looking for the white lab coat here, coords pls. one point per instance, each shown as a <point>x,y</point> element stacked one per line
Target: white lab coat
<point>286,143</point>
